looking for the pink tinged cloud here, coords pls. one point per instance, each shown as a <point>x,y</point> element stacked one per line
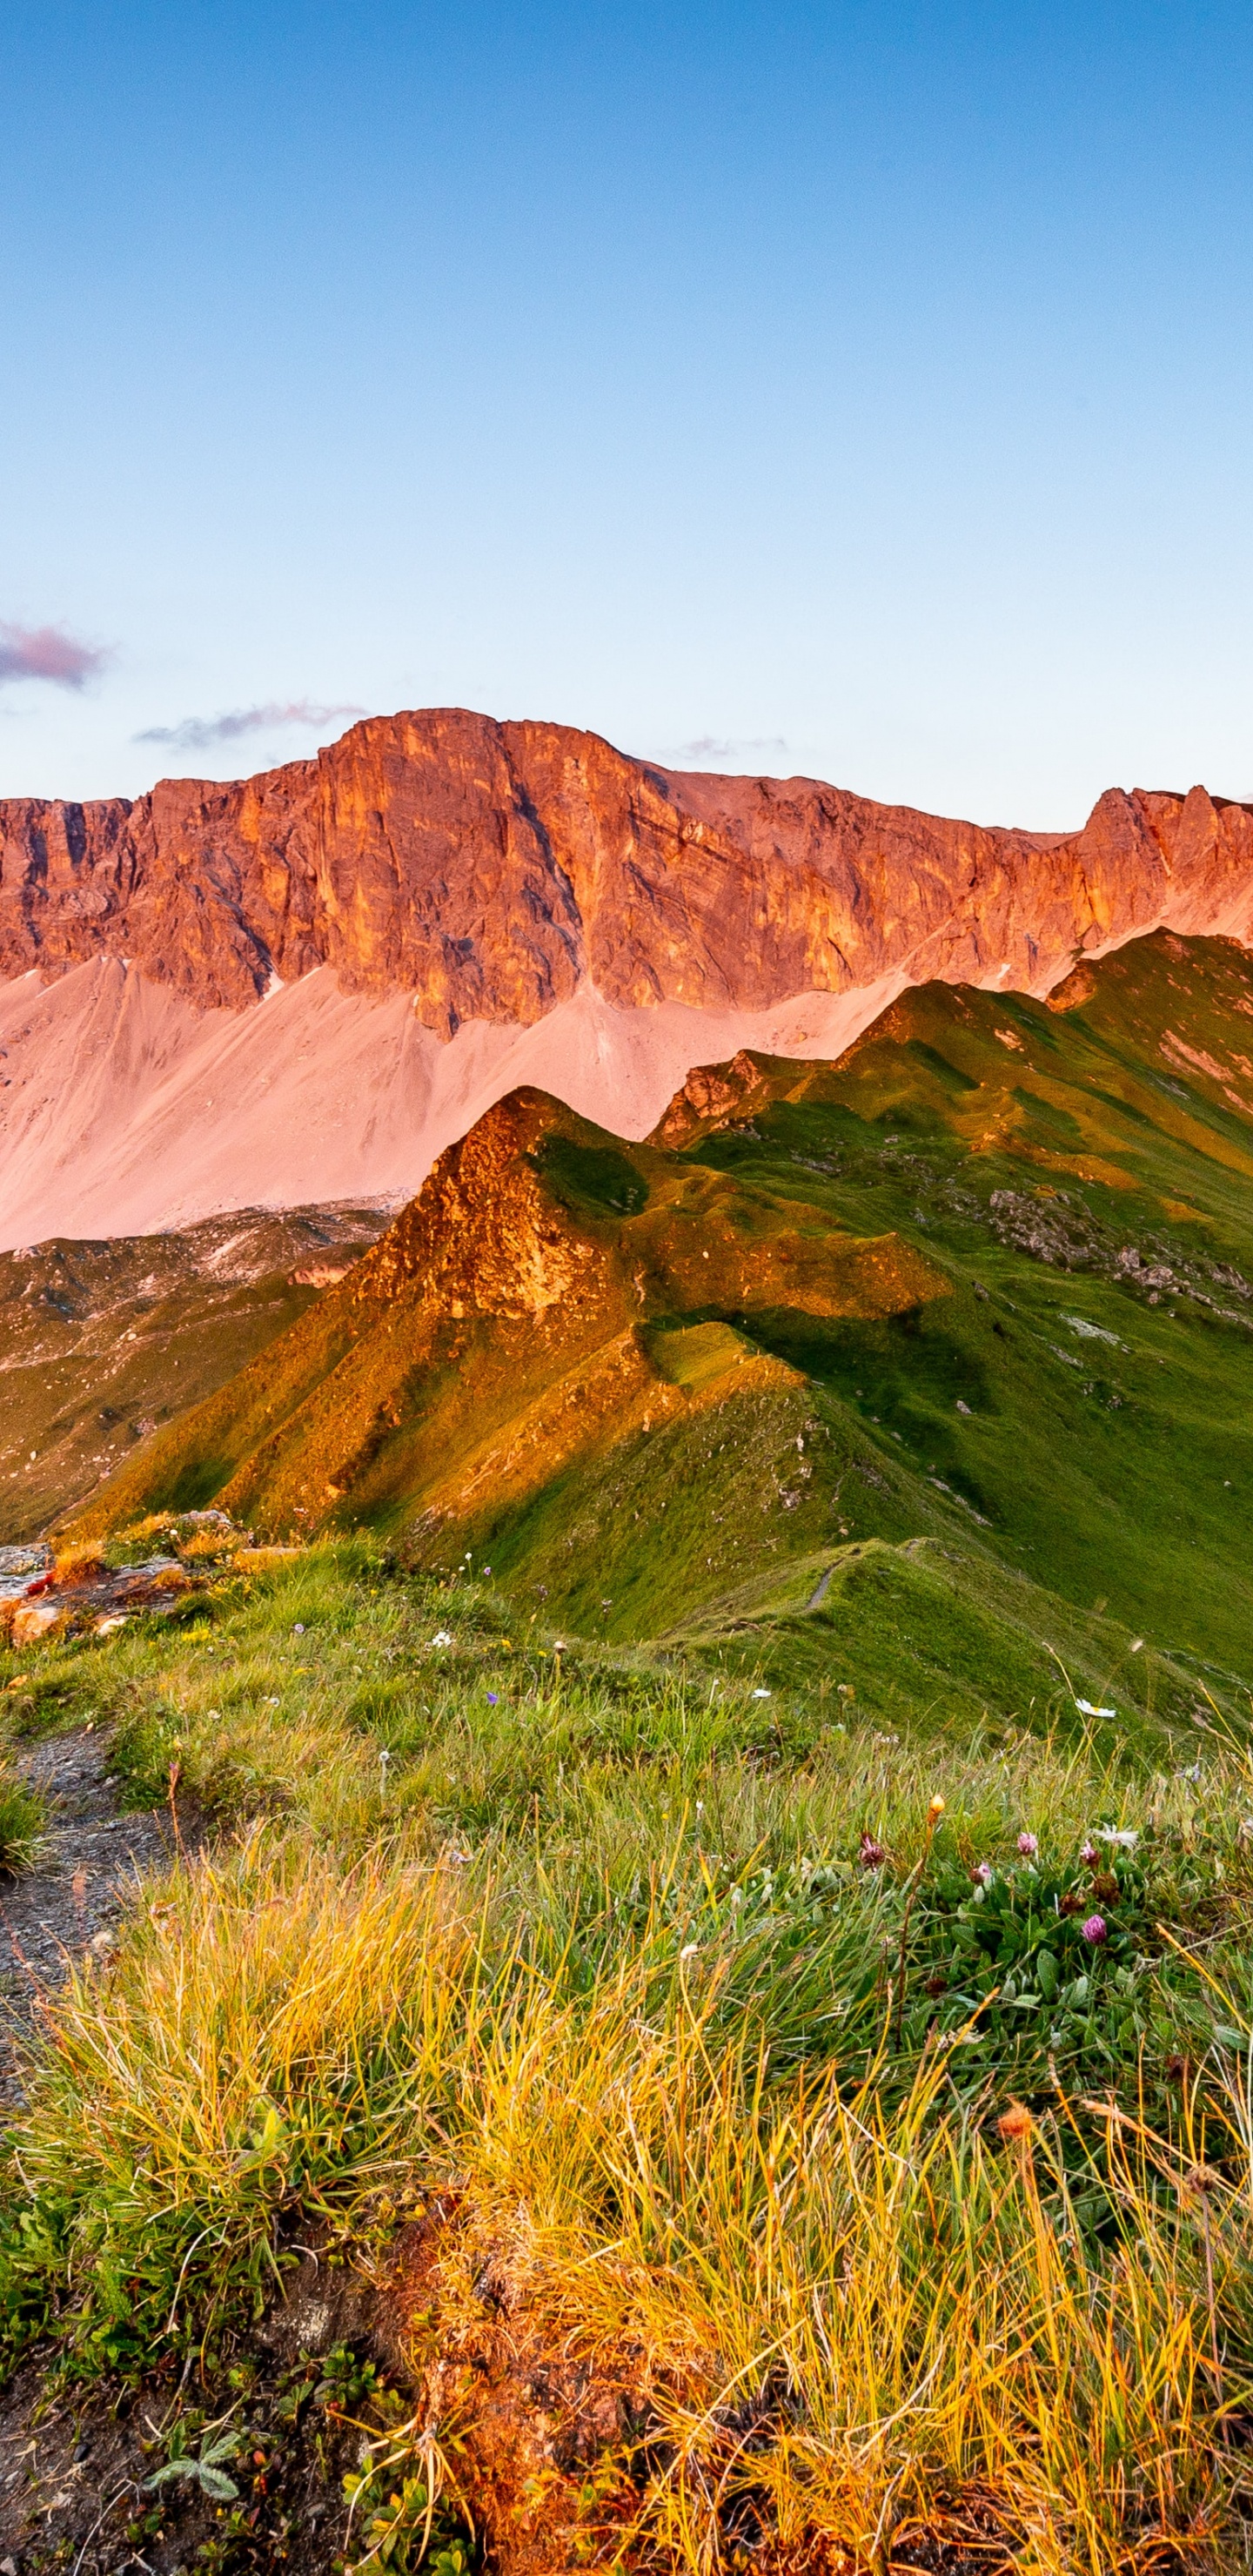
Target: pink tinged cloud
<point>47,653</point>
<point>200,733</point>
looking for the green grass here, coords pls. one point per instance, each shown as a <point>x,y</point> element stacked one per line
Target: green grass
<point>1042,1414</point>
<point>668,1882</point>
<point>22,1818</point>
<point>665,1875</point>
<point>600,1949</point>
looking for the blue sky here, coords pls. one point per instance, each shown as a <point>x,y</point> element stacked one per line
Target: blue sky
<point>864,391</point>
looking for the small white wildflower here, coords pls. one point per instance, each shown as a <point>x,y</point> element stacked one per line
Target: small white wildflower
<point>1127,1835</point>
<point>690,1951</point>
<point>761,1694</point>
<point>442,1637</point>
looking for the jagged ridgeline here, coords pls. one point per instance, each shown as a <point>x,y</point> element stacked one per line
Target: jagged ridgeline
<point>944,1346</point>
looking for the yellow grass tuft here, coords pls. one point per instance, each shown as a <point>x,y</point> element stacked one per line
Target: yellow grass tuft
<point>860,2317</point>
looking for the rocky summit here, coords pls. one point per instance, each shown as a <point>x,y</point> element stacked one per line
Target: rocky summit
<point>302,987</point>
<point>491,869</point>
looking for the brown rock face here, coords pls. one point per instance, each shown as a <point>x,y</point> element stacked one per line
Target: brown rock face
<point>491,869</point>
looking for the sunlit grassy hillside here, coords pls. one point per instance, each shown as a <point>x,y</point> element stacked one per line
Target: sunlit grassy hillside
<point>840,2132</point>
<point>981,1295</point>
<point>716,1880</point>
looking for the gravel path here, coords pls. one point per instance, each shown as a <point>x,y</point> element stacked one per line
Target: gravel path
<point>82,1874</point>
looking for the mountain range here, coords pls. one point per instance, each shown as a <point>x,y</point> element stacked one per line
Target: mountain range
<point>299,988</point>
<point>626,1397</point>
<point>818,1196</point>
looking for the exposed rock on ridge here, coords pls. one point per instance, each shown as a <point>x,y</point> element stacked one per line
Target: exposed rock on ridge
<point>492,869</point>
<point>501,1326</point>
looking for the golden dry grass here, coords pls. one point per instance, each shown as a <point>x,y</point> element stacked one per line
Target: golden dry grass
<point>865,2315</point>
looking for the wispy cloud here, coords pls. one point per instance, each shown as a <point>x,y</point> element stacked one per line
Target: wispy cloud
<point>47,653</point>
<point>692,755</point>
<point>201,733</point>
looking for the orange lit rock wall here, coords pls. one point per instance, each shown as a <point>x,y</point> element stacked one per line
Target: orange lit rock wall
<point>492,869</point>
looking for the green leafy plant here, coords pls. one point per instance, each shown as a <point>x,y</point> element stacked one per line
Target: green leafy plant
<point>350,2382</point>
<point>202,2469</point>
<point>402,2528</point>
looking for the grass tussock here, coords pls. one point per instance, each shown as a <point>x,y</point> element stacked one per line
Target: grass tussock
<point>753,2050</point>
<point>265,2034</point>
<point>854,2309</point>
<point>22,1818</point>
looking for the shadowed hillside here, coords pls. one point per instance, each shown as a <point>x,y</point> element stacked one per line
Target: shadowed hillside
<point>100,1342</point>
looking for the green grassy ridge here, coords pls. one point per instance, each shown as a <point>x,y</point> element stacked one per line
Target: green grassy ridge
<point>1051,1408</point>
<point>748,1790</point>
<point>362,1414</point>
<point>934,1637</point>
<point>1124,1476</point>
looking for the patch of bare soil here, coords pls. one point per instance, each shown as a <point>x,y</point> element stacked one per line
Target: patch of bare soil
<point>77,2465</point>
<point>541,2454</point>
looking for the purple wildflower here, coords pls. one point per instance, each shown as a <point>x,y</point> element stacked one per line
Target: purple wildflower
<point>872,1854</point>
<point>1028,1846</point>
<point>492,1698</point>
<point>1095,1930</point>
<point>1089,1854</point>
<point>982,1873</point>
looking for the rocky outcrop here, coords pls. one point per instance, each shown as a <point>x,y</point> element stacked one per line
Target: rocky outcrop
<point>492,870</point>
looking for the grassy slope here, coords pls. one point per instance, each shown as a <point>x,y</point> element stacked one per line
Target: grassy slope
<point>1010,1451</point>
<point>863,2194</point>
<point>593,1961</point>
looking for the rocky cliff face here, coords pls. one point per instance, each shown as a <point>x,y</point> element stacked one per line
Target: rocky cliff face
<point>493,869</point>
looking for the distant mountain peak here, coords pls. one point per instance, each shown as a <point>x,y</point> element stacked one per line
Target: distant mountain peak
<point>491,869</point>
<point>440,907</point>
